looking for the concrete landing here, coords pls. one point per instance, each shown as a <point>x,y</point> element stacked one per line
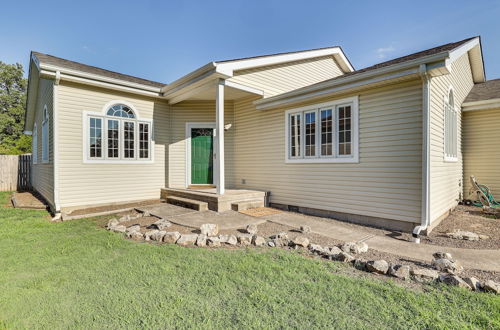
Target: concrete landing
<point>470,258</point>
<point>194,219</point>
<point>28,200</point>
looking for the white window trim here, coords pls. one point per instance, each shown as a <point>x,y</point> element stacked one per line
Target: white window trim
<point>189,126</point>
<point>34,147</point>
<point>86,115</point>
<point>45,136</point>
<point>450,158</point>
<point>353,158</point>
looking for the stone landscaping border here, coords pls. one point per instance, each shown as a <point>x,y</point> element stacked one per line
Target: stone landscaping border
<point>446,269</point>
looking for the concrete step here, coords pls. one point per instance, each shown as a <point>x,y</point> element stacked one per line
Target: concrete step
<point>248,204</point>
<point>188,203</point>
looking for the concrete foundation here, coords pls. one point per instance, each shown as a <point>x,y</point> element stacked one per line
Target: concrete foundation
<point>353,218</point>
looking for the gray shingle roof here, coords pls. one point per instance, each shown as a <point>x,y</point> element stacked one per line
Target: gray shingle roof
<point>484,91</point>
<point>63,63</point>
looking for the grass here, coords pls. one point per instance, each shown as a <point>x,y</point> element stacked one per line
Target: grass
<point>77,275</point>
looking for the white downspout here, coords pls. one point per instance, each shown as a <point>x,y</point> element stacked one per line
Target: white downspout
<point>55,145</point>
<point>426,114</point>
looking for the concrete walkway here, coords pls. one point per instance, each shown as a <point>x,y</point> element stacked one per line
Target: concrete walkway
<point>478,259</point>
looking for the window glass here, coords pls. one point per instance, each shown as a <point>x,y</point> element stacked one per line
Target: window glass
<point>450,128</point>
<point>310,133</point>
<point>344,130</point>
<point>128,140</point>
<point>295,135</point>
<point>326,132</point>
<point>113,138</point>
<point>95,137</point>
<point>120,110</point>
<point>143,140</point>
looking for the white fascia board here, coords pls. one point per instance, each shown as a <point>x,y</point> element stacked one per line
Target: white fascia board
<point>463,49</point>
<point>185,80</point>
<point>65,77</point>
<point>91,76</point>
<point>481,105</point>
<point>363,78</point>
<point>230,67</point>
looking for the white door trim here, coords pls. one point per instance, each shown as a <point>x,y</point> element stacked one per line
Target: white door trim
<point>189,126</point>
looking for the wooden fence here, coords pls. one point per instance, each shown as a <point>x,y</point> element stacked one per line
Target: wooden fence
<point>15,172</point>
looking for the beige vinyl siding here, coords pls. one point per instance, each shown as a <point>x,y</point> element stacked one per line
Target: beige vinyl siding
<point>446,177</point>
<point>481,156</point>
<point>43,173</point>
<point>196,112</point>
<point>82,183</point>
<point>281,78</point>
<point>387,181</point>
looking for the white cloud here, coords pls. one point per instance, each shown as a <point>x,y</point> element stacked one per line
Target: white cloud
<point>384,51</point>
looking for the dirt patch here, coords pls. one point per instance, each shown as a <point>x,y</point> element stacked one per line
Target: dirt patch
<point>466,218</point>
<point>28,200</point>
<point>107,208</point>
<point>261,211</point>
<point>270,228</point>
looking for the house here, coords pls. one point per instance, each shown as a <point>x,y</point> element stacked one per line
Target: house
<point>380,146</point>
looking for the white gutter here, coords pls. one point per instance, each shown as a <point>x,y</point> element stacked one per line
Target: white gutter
<point>481,105</point>
<point>92,82</point>
<point>96,77</point>
<point>55,144</point>
<point>426,123</point>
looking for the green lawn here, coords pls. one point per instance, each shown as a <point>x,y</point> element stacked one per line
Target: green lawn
<point>76,275</point>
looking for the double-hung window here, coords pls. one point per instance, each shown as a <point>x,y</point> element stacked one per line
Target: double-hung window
<point>118,135</point>
<point>325,132</point>
<point>450,128</point>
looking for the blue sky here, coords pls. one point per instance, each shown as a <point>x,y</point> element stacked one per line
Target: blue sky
<point>163,40</point>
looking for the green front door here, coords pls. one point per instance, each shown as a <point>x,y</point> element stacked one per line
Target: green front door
<point>202,156</point>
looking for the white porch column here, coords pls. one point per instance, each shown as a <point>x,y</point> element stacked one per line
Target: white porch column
<point>219,129</point>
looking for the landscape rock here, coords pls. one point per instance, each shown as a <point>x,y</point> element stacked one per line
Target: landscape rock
<point>443,255</point>
<point>424,274</point>
<point>146,214</point>
<point>136,236</point>
<point>473,283</point>
<point>454,280</point>
<point>158,236</point>
<point>252,229</point>
<point>171,237</point>
<point>491,286</point>
<point>213,241</point>
<point>446,265</point>
<point>344,257</point>
<point>305,229</point>
<point>112,223</point>
<point>160,224</point>
<point>228,239</point>
<point>333,252</point>
<point>283,236</point>
<point>125,218</point>
<point>301,241</point>
<point>484,237</point>
<point>119,229</point>
<point>133,228</point>
<point>271,244</point>
<point>201,240</point>
<point>187,239</point>
<point>378,266</point>
<point>464,235</point>
<point>244,239</point>
<point>317,249</point>
<point>148,234</point>
<point>258,240</point>
<point>355,247</point>
<point>209,229</point>
<point>360,264</point>
<point>400,271</point>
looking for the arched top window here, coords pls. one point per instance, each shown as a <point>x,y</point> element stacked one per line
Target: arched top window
<point>120,110</point>
<point>451,120</point>
<point>118,134</point>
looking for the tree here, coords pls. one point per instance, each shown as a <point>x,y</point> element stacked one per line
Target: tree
<point>12,108</point>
